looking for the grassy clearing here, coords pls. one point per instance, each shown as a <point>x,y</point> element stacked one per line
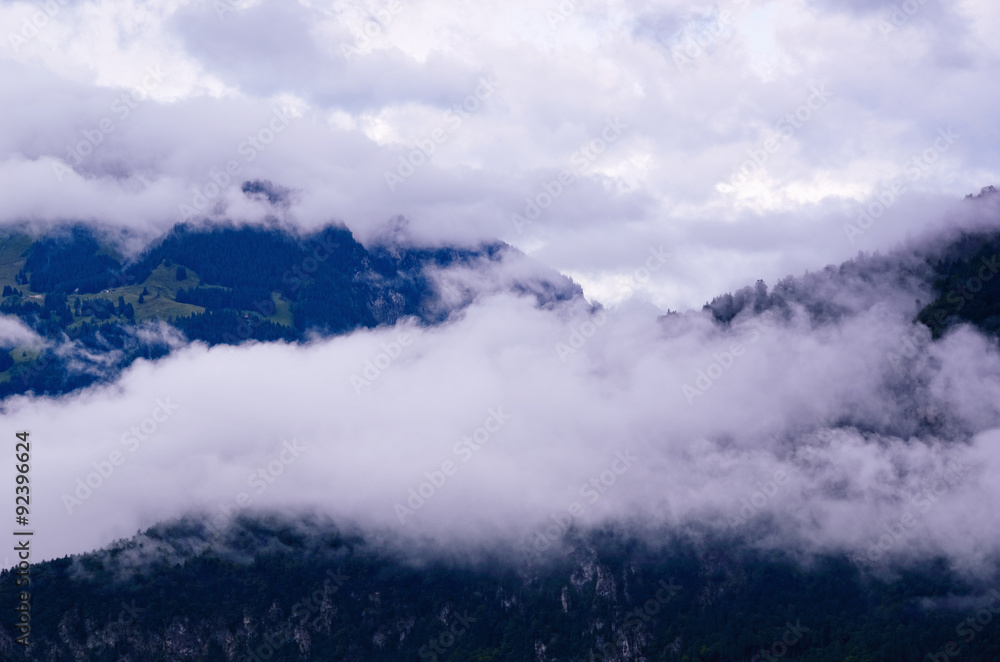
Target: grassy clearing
<point>12,258</point>
<point>162,286</point>
<point>282,311</point>
<point>158,303</point>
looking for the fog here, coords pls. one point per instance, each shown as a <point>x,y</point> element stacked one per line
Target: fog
<point>127,114</point>
<point>821,433</point>
<point>657,153</point>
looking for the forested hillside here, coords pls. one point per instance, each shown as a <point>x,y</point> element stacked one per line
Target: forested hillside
<point>224,285</point>
<point>302,590</point>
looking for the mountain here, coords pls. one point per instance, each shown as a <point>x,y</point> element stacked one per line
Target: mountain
<point>98,312</point>
<point>275,588</point>
<point>286,586</point>
<point>961,273</point>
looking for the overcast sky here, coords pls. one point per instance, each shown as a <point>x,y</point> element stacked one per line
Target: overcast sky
<point>725,143</point>
<point>514,93</point>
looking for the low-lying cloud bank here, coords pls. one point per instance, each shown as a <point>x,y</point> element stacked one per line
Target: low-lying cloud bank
<point>465,119</point>
<point>842,428</point>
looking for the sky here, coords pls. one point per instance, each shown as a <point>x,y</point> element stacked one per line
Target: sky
<point>710,145</point>
<point>657,115</point>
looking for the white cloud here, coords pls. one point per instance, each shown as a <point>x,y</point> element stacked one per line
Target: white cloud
<point>14,332</point>
<point>855,434</point>
<point>689,128</point>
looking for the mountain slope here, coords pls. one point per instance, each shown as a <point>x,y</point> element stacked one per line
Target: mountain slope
<point>220,285</point>
<point>303,590</point>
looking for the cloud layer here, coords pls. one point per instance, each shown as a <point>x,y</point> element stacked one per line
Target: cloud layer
<point>658,153</point>
<point>126,111</point>
<point>826,424</point>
